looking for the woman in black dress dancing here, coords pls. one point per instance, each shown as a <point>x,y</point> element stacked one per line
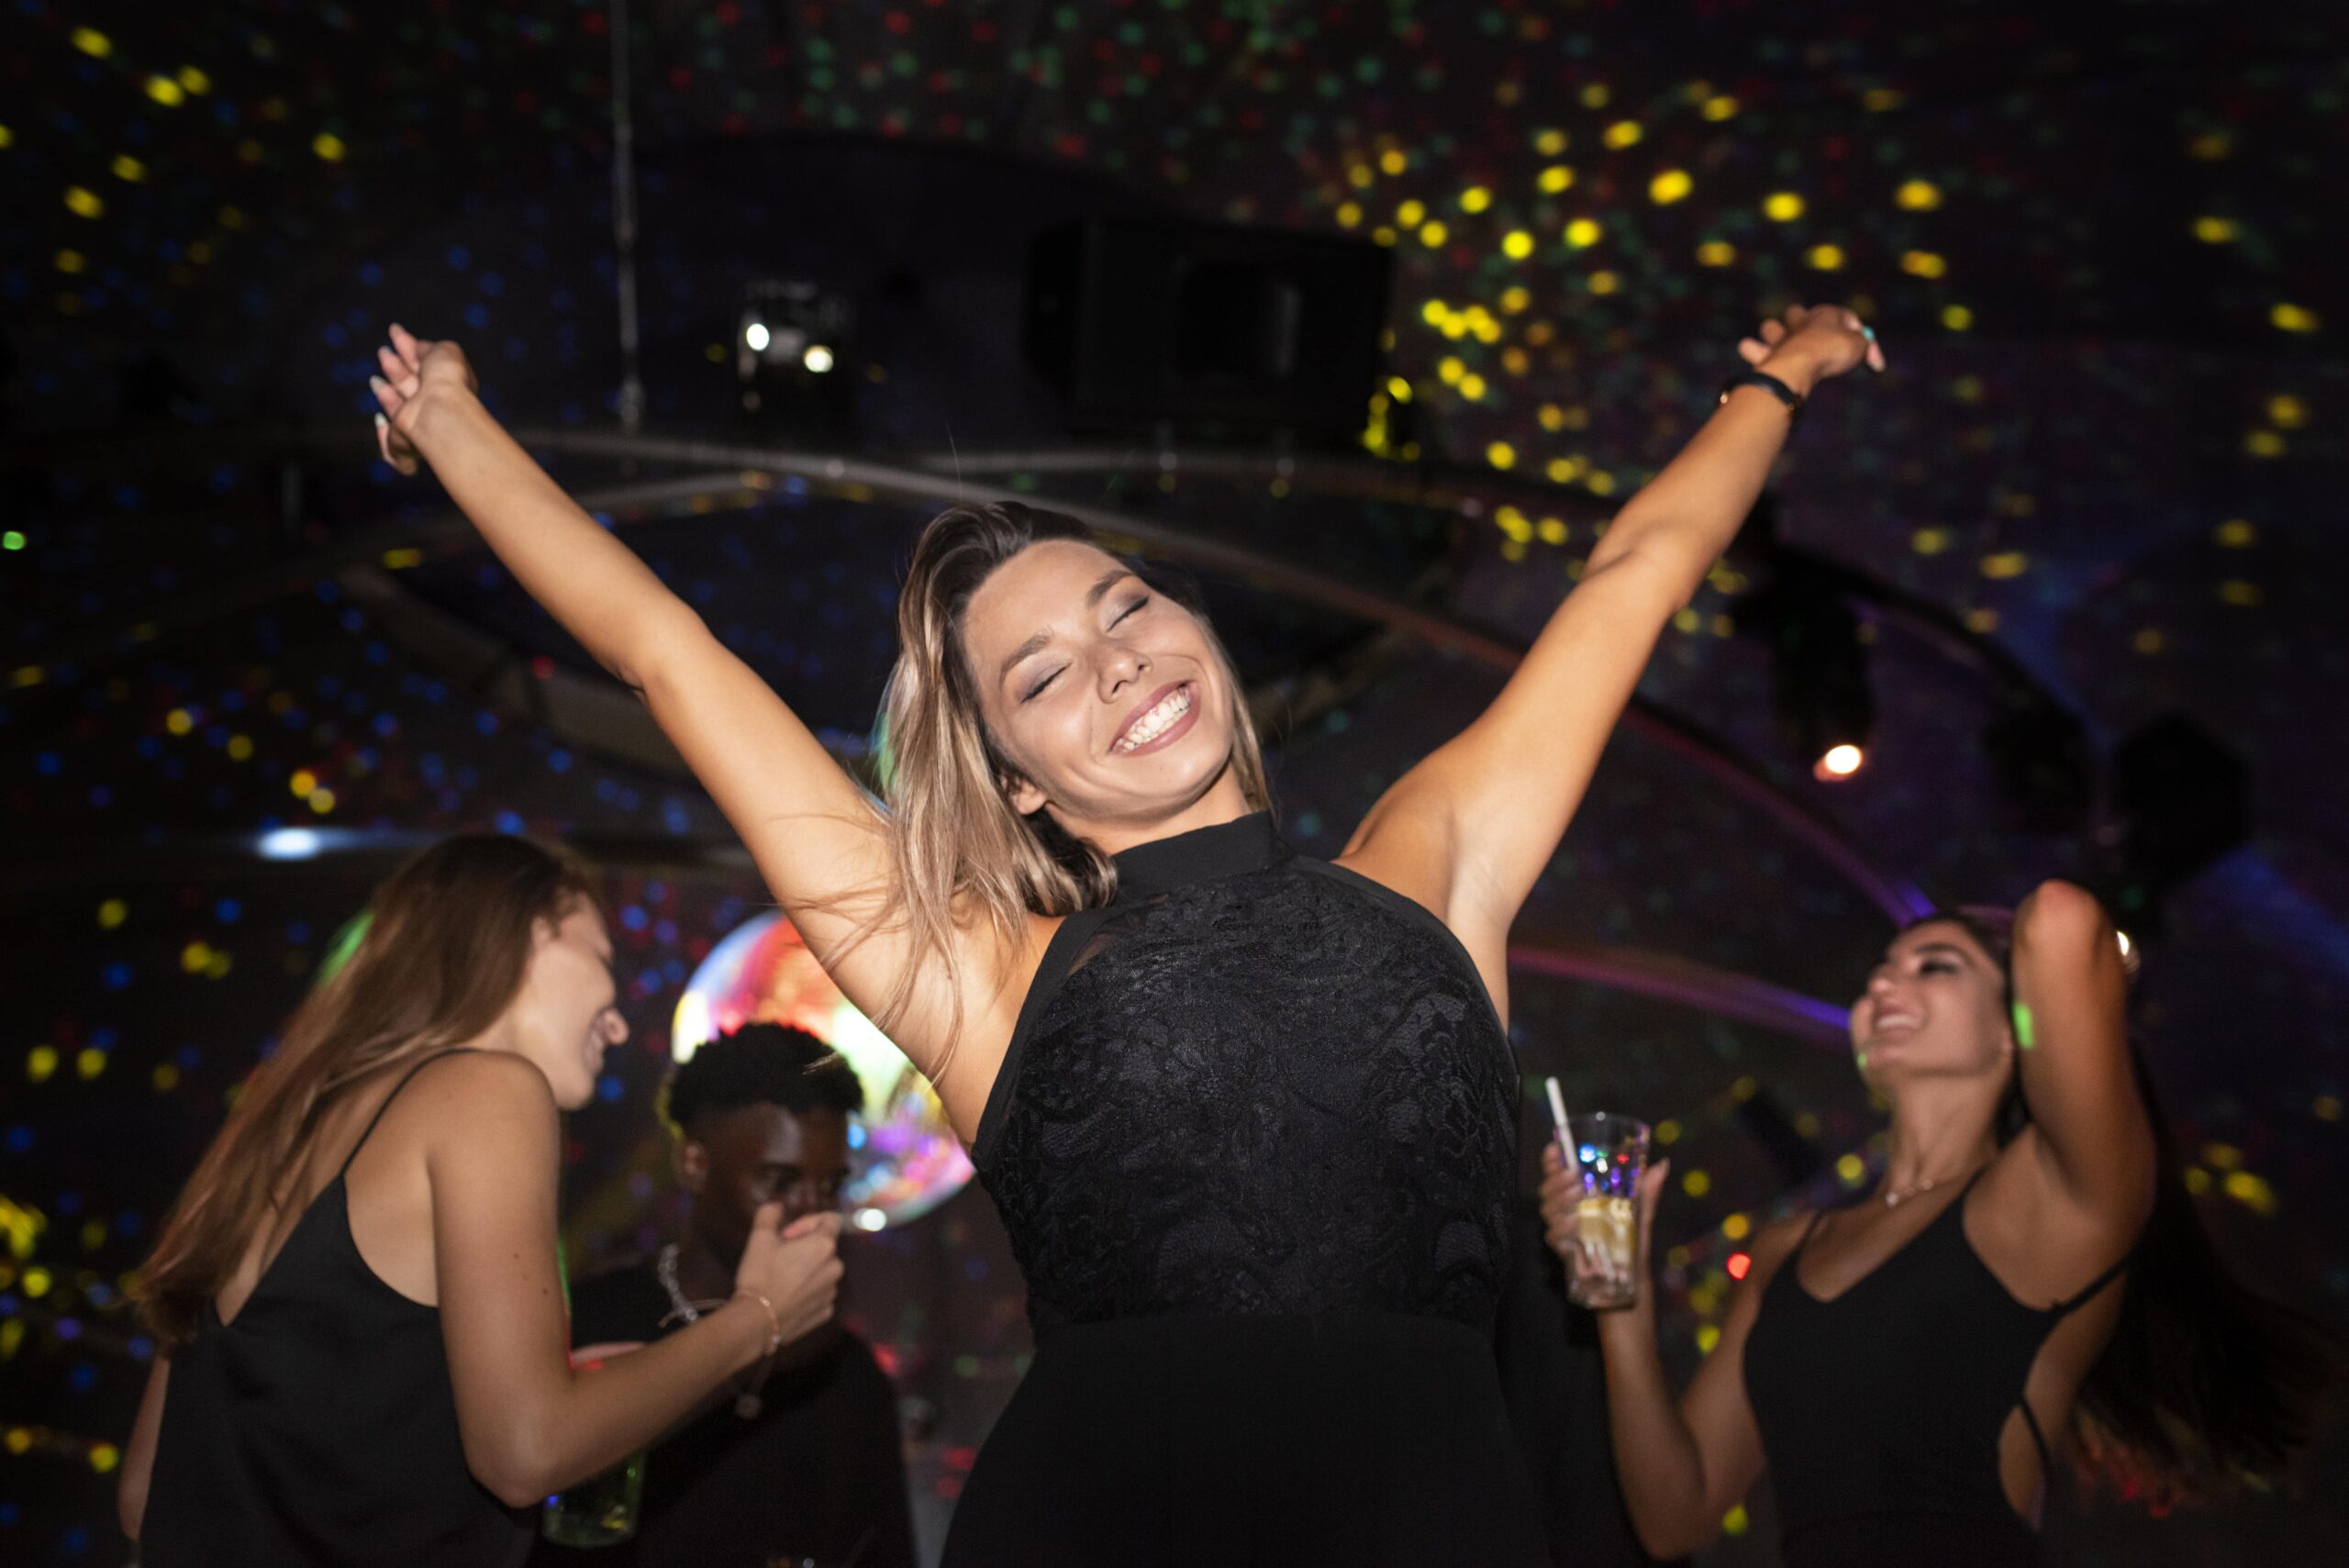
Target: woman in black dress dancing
<point>2030,1268</point>
<point>1247,1117</point>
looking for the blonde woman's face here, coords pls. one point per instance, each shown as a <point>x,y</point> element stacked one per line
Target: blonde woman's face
<point>565,1016</point>
<point>1104,695</point>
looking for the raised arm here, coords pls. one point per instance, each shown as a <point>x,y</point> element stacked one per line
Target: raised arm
<point>817,841</point>
<point>1682,1464</point>
<point>529,1424</point>
<point>2071,1026</point>
<point>1475,823</point>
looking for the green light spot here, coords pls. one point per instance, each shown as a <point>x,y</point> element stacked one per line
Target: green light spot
<point>2026,1035</point>
<point>12,540</point>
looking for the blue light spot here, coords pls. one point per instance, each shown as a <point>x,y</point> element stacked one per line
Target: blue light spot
<point>509,822</point>
<point>609,1088</point>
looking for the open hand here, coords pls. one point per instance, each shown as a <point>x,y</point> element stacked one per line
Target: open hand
<point>1830,337</point>
<point>411,370</point>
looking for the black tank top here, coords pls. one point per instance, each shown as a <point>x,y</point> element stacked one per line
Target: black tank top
<point>320,1426</point>
<point>1881,1410</point>
<point>1254,1083</point>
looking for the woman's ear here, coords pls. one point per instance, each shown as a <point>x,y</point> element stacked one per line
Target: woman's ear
<point>1025,798</point>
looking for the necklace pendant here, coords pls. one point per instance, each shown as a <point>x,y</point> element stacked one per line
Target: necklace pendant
<point>748,1405</point>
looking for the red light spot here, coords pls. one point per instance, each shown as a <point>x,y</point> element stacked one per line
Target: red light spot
<point>542,667</point>
<point>1739,1262</point>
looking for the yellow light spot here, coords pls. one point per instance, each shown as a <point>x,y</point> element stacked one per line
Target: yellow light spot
<point>217,968</point>
<point>2197,1180</point>
<point>1929,541</point>
<point>1475,198</point>
<point>165,1077</point>
<point>1685,619</point>
<point>1515,360</point>
<point>1668,1132</point>
<point>1956,317</point>
<point>1361,176</point>
<point>1516,297</point>
<point>1877,100</point>
<point>2287,411</point>
<point>1349,214</point>
<point>90,1062</point>
<point>1736,1521</point>
<point>1551,417</point>
<point>166,92</point>
<point>2211,146</point>
<point>239,748</point>
<point>2263,443</point>
<point>39,1062</point>
<point>1435,312</point>
<point>303,782</point>
<point>2236,533</point>
<point>1514,523</point>
<point>1716,253</point>
<point>1555,178</point>
<point>322,800</point>
<point>328,146</point>
<point>1923,264</point>
<point>7,136</point>
<point>1595,95</point>
<point>1826,258</point>
<point>1600,483</point>
<point>1982,620</point>
<point>26,676</point>
<point>1605,283</point>
<point>1696,1183</point>
<point>1782,207</point>
<point>2241,595</point>
<point>195,80</point>
<point>112,913</point>
<point>85,203</point>
<point>1550,143</point>
<point>1472,386</point>
<point>2251,1192</point>
<point>1559,470</point>
<point>1551,531</point>
<point>1737,1227</point>
<point>1918,195</point>
<point>2005,564</point>
<point>2222,1156</point>
<point>2293,318</point>
<point>1517,245</point>
<point>1583,233</point>
<point>126,167</point>
<point>1500,454</point>
<point>37,1282</point>
<point>1720,106</point>
<point>91,42</point>
<point>1622,134</point>
<point>2214,231</point>
<point>104,1457</point>
<point>2327,1108</point>
<point>1399,389</point>
<point>1708,1336</point>
<point>1432,234</point>
<point>1382,234</point>
<point>1670,186</point>
<point>1850,1170</point>
<point>179,721</point>
<point>1393,161</point>
<point>2147,640</point>
<point>1409,213</point>
<point>1513,549</point>
<point>71,261</point>
<point>195,956</point>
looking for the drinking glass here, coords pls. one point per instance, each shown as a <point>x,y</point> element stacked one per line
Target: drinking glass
<point>1608,1152</point>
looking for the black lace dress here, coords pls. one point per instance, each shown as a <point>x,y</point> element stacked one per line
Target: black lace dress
<point>1253,1142</point>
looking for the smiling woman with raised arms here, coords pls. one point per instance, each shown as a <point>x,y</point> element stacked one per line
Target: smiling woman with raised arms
<point>1247,1115</point>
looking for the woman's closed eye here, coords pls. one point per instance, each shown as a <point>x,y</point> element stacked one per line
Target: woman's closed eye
<point>1037,690</point>
<point>1130,609</point>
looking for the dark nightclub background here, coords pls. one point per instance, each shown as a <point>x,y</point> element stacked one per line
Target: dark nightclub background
<point>2082,546</point>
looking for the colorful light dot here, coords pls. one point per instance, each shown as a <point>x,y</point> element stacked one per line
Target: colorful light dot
<point>1670,186</point>
<point>1826,258</point>
<point>91,42</point>
<point>1696,1183</point>
<point>1550,143</point>
<point>1517,245</point>
<point>166,92</point>
<point>1583,233</point>
<point>1923,264</point>
<point>1956,317</point>
<point>1918,195</point>
<point>2005,564</point>
<point>1622,134</point>
<point>2214,231</point>
<point>1500,454</point>
<point>1555,178</point>
<point>1716,253</point>
<point>1475,198</point>
<point>2236,533</point>
<point>328,146</point>
<point>71,262</point>
<point>39,1062</point>
<point>85,203</point>
<point>2293,318</point>
<point>1782,207</point>
<point>1720,106</point>
<point>1432,233</point>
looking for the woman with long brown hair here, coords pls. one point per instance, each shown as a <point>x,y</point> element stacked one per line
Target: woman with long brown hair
<point>1248,1117</point>
<point>2028,1276</point>
<point>365,1358</point>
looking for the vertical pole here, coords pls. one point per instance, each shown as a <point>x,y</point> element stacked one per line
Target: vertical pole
<point>624,221</point>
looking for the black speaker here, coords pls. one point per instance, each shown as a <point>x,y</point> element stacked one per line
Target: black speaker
<point>1214,329</point>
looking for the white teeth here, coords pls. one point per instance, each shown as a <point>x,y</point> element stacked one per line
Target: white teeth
<point>1156,723</point>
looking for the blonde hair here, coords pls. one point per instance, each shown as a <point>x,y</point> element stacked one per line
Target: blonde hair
<point>961,857</point>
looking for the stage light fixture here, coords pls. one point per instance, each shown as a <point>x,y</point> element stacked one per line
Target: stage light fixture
<point>791,335</point>
<point>755,335</point>
<point>1839,763</point>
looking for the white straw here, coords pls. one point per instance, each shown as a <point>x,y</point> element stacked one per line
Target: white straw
<point>1558,1115</point>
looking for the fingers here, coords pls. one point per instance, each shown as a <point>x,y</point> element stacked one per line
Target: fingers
<point>1753,351</point>
<point>827,1223</point>
<point>399,372</point>
<point>410,350</point>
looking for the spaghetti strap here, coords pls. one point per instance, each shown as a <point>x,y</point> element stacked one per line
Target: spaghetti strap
<point>385,1104</point>
<point>2072,1303</point>
<point>1804,1240</point>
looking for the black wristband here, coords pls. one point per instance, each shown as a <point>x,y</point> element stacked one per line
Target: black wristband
<point>1767,383</point>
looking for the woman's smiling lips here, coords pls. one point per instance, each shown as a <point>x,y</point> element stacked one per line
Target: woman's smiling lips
<point>1163,717</point>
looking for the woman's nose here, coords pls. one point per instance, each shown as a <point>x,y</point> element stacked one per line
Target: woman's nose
<point>1121,666</point>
